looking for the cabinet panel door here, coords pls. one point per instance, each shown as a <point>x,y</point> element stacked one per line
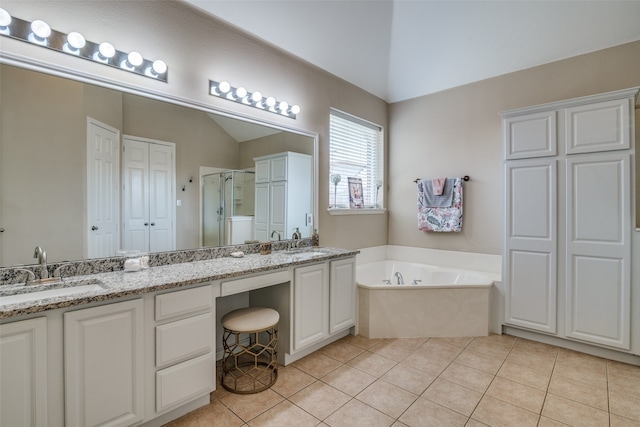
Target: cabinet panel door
<point>161,197</point>
<point>311,305</point>
<point>599,249</point>
<point>262,212</point>
<point>262,171</point>
<point>278,209</point>
<point>530,268</point>
<point>23,373</point>
<point>532,135</point>
<point>602,126</point>
<point>103,360</point>
<point>342,312</point>
<point>279,169</point>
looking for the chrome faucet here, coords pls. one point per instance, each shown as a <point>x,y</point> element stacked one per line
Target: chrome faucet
<point>42,260</point>
<point>296,237</point>
<point>276,232</point>
<point>400,278</point>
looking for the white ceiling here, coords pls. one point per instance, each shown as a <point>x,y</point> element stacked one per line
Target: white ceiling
<point>401,49</point>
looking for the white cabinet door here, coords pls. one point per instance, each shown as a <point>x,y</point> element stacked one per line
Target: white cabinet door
<point>600,126</point>
<point>261,217</point>
<point>530,273</point>
<point>23,373</point>
<point>599,249</point>
<point>278,209</point>
<point>342,309</point>
<point>530,135</point>
<point>103,360</point>
<point>311,305</point>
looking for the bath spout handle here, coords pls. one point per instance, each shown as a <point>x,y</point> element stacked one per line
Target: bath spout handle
<point>386,282</point>
<point>416,282</point>
<point>400,278</point>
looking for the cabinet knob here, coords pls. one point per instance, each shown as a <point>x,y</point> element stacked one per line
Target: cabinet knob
<point>94,228</point>
<point>1,230</point>
<point>153,223</point>
<point>146,224</point>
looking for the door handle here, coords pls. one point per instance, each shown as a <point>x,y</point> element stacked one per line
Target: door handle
<point>153,223</point>
<point>94,228</point>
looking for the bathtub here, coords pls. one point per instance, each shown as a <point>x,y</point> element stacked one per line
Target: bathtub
<point>433,301</point>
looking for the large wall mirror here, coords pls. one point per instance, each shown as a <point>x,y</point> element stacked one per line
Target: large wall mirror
<point>57,177</point>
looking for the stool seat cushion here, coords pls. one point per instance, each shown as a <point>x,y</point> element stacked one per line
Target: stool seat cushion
<point>250,319</point>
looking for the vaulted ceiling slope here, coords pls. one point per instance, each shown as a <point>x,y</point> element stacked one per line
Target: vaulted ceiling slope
<point>401,49</point>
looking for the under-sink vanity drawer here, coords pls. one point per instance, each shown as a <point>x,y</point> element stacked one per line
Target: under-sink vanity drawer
<point>184,302</point>
<point>182,382</point>
<point>232,287</point>
<point>183,339</point>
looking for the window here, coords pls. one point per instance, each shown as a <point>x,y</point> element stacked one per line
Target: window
<point>355,151</point>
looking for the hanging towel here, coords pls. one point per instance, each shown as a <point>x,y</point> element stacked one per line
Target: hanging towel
<point>431,200</point>
<point>438,185</point>
<point>441,219</point>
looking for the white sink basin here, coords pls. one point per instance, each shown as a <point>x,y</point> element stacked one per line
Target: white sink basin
<point>18,295</point>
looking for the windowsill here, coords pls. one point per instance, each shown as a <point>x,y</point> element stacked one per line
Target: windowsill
<point>363,211</point>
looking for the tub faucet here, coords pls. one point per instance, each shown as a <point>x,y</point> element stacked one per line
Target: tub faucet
<point>42,260</point>
<point>400,278</point>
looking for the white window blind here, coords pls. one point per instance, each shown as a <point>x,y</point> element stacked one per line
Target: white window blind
<point>355,152</point>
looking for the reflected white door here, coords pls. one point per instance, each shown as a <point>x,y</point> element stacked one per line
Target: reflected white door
<point>148,196</point>
<point>103,198</point>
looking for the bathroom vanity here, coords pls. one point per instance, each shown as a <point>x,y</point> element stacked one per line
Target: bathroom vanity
<point>141,350</point>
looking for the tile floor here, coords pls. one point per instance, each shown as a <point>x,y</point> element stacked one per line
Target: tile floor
<point>485,381</point>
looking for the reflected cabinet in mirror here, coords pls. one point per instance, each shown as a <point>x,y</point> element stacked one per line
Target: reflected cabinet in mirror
<point>87,171</point>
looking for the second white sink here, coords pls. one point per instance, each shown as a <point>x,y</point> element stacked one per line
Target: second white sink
<point>18,295</point>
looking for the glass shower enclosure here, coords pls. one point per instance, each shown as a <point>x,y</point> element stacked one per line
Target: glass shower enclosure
<point>228,208</point>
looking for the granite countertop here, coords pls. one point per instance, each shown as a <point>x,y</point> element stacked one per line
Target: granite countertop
<point>119,283</point>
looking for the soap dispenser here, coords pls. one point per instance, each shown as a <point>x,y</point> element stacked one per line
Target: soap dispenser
<point>315,238</point>
<point>296,234</point>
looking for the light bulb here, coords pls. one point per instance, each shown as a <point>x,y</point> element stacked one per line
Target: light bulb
<point>283,107</point>
<point>224,87</point>
<point>5,18</point>
<point>40,30</point>
<point>271,102</point>
<point>106,50</point>
<point>135,59</point>
<point>159,66</point>
<point>295,109</point>
<point>75,42</point>
<point>241,92</point>
<point>256,97</point>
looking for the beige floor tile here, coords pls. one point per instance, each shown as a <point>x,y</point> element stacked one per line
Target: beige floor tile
<point>627,406</point>
<point>426,363</point>
<point>540,361</point>
<point>524,375</point>
<point>573,413</point>
<point>479,361</point>
<point>214,413</point>
<point>619,421</point>
<point>439,349</point>
<point>497,413</point>
<point>372,364</point>
<point>361,341</point>
<point>410,379</point>
<point>291,380</point>
<point>425,413</point>
<point>356,414</point>
<point>624,382</point>
<point>517,394</point>
<point>341,350</point>
<point>398,424</point>
<point>249,406</point>
<point>579,392</point>
<point>548,422</point>
<point>458,341</point>
<point>453,396</point>
<point>397,349</point>
<point>581,367</point>
<point>317,364</point>
<point>623,369</point>
<point>467,377</point>
<point>387,398</point>
<point>284,414</point>
<point>348,380</point>
<point>474,423</point>
<point>320,399</point>
<point>497,346</point>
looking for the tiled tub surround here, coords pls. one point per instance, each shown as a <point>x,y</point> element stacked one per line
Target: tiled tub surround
<point>433,302</point>
<point>180,269</point>
<point>432,308</point>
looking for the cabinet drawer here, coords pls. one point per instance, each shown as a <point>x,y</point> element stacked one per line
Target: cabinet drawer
<point>183,339</point>
<point>256,282</point>
<point>184,302</point>
<point>183,382</point>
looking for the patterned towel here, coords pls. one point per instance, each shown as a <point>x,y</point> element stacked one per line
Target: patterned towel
<point>441,219</point>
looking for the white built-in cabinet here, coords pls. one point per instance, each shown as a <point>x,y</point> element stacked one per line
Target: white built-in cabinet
<point>342,294</point>
<point>148,196</point>
<point>23,370</point>
<point>103,365</point>
<point>283,195</point>
<point>567,247</point>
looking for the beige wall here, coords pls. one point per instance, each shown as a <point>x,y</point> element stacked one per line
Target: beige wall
<point>458,132</point>
<point>197,48</point>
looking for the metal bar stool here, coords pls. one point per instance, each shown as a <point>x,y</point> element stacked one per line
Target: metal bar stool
<point>250,367</point>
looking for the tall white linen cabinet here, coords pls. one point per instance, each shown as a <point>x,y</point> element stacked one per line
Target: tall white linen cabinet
<point>568,218</point>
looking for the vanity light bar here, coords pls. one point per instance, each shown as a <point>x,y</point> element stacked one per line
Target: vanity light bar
<point>254,99</point>
<point>40,33</point>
